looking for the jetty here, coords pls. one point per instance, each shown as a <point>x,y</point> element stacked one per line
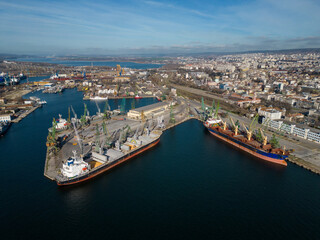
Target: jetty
<point>26,113</point>
<point>161,116</point>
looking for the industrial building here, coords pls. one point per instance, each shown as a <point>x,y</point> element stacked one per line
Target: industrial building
<point>270,113</point>
<point>5,118</point>
<point>153,110</point>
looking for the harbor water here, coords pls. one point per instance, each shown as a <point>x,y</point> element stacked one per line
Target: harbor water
<point>132,65</point>
<point>189,186</point>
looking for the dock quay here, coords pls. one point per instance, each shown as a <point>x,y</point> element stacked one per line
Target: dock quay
<point>54,160</point>
<point>306,155</point>
<point>118,97</point>
<point>23,115</point>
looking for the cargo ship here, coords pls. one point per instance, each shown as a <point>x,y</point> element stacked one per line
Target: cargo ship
<point>245,142</point>
<point>4,126</point>
<point>77,169</point>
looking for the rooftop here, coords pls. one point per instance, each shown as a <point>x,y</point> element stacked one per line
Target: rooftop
<point>150,107</point>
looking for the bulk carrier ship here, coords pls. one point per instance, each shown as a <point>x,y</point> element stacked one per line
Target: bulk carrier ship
<point>76,169</point>
<point>263,151</point>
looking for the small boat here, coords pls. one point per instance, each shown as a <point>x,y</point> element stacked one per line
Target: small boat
<point>137,97</point>
<point>95,98</point>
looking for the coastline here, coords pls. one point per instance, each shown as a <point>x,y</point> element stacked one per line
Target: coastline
<point>304,164</point>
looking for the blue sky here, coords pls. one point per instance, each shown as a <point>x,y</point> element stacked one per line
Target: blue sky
<point>152,26</point>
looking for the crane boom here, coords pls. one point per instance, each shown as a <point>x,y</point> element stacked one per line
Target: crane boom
<point>235,127</point>
<point>74,113</point>
<point>224,123</point>
<point>99,111</point>
<point>78,137</point>
<point>254,122</point>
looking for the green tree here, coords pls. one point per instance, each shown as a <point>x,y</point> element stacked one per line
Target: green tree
<point>274,141</point>
<point>259,137</point>
<point>237,123</point>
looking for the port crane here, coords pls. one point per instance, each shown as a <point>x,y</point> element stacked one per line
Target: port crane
<point>51,139</point>
<point>135,136</point>
<point>223,122</point>
<point>212,108</point>
<point>118,142</point>
<point>78,137</point>
<point>265,138</point>
<point>234,126</point>
<point>99,111</point>
<point>251,126</point>
<point>102,145</point>
<point>143,117</point>
<point>203,107</point>
<point>83,118</point>
<point>97,138</point>
<point>160,122</point>
<point>74,113</point>
<point>217,107</point>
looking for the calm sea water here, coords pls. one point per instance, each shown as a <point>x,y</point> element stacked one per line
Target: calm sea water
<point>190,186</point>
<point>89,63</point>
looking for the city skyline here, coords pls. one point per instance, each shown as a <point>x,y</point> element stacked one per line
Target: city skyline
<point>153,27</point>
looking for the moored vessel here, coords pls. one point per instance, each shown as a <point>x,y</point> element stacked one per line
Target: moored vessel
<point>79,169</point>
<point>4,126</point>
<point>245,141</point>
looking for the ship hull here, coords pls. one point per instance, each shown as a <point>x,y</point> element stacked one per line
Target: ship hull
<point>107,167</point>
<point>5,129</point>
<point>270,157</point>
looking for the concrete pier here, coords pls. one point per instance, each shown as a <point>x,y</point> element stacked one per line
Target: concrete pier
<point>88,134</point>
<point>23,115</point>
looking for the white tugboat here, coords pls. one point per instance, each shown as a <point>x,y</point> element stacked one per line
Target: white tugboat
<point>74,166</point>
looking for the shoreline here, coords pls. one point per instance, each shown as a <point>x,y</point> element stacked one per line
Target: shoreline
<point>304,164</point>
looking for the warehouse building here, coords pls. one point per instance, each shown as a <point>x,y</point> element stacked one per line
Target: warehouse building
<point>153,110</point>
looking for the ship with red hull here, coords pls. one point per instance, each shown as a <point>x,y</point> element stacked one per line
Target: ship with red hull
<point>247,144</point>
<point>137,97</point>
<point>76,170</point>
